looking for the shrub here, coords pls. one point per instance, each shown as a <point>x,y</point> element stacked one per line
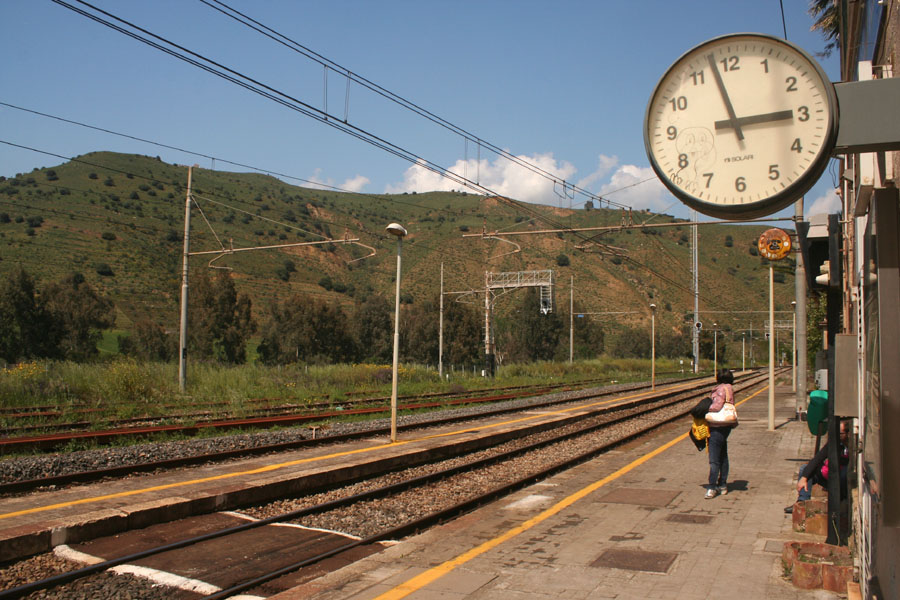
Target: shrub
<point>562,260</point>
<point>103,269</point>
<point>108,235</point>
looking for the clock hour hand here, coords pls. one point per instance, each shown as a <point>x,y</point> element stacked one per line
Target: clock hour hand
<point>732,118</point>
<point>780,115</point>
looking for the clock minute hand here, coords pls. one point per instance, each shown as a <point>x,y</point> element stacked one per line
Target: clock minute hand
<point>732,118</point>
<point>780,115</point>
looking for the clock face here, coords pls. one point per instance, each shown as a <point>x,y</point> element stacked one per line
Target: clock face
<point>741,126</point>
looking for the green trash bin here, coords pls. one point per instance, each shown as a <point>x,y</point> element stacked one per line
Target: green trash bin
<point>817,412</point>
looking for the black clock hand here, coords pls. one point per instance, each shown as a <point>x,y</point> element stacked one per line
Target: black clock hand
<point>732,118</point>
<point>781,115</point>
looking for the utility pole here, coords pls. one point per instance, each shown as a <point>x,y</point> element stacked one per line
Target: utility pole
<point>571,318</point>
<point>488,347</point>
<point>771,346</point>
<point>441,329</point>
<point>751,345</point>
<point>182,338</point>
<point>800,315</point>
<point>652,346</point>
<point>695,339</point>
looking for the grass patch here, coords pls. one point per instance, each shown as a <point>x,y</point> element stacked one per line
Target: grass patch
<point>122,388</point>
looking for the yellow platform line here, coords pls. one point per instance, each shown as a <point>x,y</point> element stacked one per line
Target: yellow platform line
<point>283,465</point>
<point>433,574</point>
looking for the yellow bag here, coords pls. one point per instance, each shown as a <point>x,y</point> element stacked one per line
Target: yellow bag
<point>699,433</point>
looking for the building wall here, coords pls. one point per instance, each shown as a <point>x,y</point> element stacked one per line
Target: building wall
<point>872,297</point>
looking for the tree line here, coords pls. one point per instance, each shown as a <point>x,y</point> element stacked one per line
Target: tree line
<point>58,320</point>
<point>64,319</point>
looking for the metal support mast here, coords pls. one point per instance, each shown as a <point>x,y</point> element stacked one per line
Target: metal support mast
<point>571,319</point>
<point>695,331</point>
<point>182,338</point>
<point>441,329</point>
<point>800,293</point>
<point>488,343</point>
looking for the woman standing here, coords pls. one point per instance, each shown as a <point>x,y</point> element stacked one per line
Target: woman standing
<point>721,419</point>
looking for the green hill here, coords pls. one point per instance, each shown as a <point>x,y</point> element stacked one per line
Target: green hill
<point>119,219</point>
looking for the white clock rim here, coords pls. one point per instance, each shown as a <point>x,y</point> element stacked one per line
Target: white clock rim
<point>772,203</point>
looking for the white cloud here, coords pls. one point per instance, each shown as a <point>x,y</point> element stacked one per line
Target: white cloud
<point>828,203</point>
<point>605,164</point>
<point>630,185</point>
<point>317,182</point>
<point>638,187</point>
<point>502,176</point>
<point>354,184</point>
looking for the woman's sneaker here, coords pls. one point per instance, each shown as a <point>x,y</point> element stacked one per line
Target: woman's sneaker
<point>723,490</point>
<point>710,493</point>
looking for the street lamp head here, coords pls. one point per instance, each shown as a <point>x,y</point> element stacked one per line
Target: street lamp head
<point>396,229</point>
<point>793,303</point>
<point>652,306</point>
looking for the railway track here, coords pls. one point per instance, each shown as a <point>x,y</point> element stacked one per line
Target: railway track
<point>18,439</point>
<point>59,476</point>
<point>397,504</point>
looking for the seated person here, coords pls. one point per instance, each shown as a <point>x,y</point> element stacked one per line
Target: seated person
<point>816,470</point>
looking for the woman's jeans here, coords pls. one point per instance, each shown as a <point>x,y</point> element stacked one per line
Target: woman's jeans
<point>718,456</point>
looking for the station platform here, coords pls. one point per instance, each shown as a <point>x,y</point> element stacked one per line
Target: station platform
<point>631,524</point>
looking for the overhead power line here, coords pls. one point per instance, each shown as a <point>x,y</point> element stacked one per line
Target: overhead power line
<point>327,63</point>
<point>271,93</point>
<point>233,76</point>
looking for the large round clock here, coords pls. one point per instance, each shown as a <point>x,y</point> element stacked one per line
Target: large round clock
<point>741,125</point>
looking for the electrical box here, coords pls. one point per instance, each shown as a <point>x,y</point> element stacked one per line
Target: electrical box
<point>846,380</point>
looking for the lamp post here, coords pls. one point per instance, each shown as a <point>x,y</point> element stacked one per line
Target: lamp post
<point>399,231</point>
<point>652,346</point>
<point>794,346</point>
<point>743,355</point>
<point>715,348</point>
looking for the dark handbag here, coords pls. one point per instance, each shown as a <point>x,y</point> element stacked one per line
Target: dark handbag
<point>702,408</point>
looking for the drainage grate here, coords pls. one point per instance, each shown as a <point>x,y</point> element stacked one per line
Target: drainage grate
<point>640,496</point>
<point>683,518</point>
<point>636,560</point>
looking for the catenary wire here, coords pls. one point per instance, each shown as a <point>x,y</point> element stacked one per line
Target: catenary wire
<point>409,105</point>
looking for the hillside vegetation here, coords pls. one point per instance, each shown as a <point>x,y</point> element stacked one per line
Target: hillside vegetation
<point>118,220</point>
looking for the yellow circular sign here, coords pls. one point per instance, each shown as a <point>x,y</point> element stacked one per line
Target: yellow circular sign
<point>774,244</point>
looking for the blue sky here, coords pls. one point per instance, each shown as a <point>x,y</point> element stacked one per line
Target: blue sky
<point>562,84</point>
